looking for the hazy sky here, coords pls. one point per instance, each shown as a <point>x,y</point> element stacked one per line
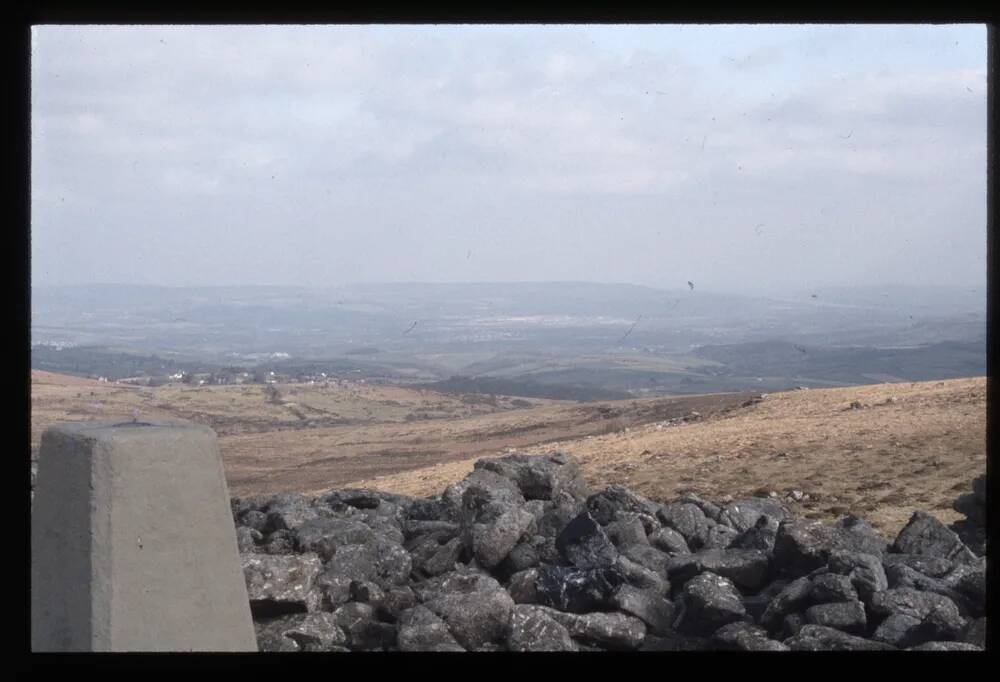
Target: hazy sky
<point>744,158</point>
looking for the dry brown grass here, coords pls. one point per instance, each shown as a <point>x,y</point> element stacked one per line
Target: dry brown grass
<point>881,462</point>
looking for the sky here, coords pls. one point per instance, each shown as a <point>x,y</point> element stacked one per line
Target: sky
<point>748,159</point>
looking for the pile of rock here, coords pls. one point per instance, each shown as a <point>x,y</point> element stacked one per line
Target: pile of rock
<point>972,529</point>
<point>521,556</point>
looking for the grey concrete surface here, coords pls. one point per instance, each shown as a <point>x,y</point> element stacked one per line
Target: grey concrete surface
<point>133,546</point>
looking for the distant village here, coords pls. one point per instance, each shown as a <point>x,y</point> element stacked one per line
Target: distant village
<point>256,376</point>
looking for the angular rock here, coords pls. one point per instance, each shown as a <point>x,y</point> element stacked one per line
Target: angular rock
<point>245,539</point>
<point>279,585</point>
<point>936,612</point>
<point>925,535</point>
<point>706,603</point>
<point>521,586</point>
<point>577,590</point>
<point>394,602</point>
<point>419,629</point>
<point>845,616</point>
<point>648,557</point>
<point>603,505</point>
<point>931,566</point>
<point>804,546</point>
<point>710,509</point>
<point>743,636</point>
<point>363,630</point>
<point>626,530</point>
<point>688,520</point>
<point>443,558</point>
<point>793,597</point>
<point>831,588</point>
<point>539,477</point>
<point>530,629</point>
<point>864,571</point>
<point>747,568</point>
<point>615,631</point>
<point>641,577</point>
<point>760,536</point>
<point>299,632</point>
<point>278,542</point>
<point>584,544</point>
<point>465,500</point>
<point>670,541</point>
<point>475,607</point>
<point>945,646</point>
<point>380,561</point>
<point>901,631</point>
<point>491,543</point>
<point>524,555</point>
<point>720,536</point>
<point>323,535</point>
<point>819,638</point>
<point>649,606</point>
<point>901,575</point>
<point>415,528</point>
<point>743,515</point>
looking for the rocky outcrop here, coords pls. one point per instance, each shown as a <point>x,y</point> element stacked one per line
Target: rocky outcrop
<point>522,556</point>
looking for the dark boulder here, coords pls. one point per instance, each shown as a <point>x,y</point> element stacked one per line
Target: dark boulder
<point>474,606</point>
<point>531,629</point>
<point>577,590</point>
<point>706,603</point>
<point>793,597</point>
<point>380,561</point>
<point>688,520</point>
<point>584,544</point>
<point>846,616</point>
<point>420,629</point>
<point>831,588</point>
<point>864,571</point>
<point>747,568</point>
<point>614,631</point>
<point>945,646</point>
<point>804,546</point>
<point>364,632</point>
<point>299,632</point>
<point>760,536</point>
<point>604,505</point>
<point>625,530</point>
<point>541,477</point>
<point>743,515</point>
<point>670,541</point>
<point>743,636</point>
<point>279,585</point>
<point>925,535</point>
<point>649,606</point>
<point>323,535</point>
<point>820,638</point>
<point>936,612</point>
<point>492,542</point>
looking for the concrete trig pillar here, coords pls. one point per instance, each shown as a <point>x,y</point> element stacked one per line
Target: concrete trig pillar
<point>133,546</point>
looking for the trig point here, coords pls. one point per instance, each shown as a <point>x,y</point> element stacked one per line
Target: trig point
<point>132,542</point>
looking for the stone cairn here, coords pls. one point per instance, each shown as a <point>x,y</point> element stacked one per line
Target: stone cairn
<point>521,556</point>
